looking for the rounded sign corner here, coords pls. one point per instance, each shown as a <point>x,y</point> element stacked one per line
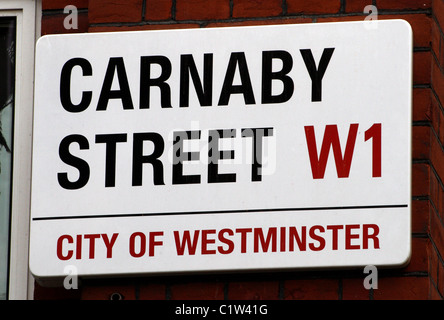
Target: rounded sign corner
<point>404,261</point>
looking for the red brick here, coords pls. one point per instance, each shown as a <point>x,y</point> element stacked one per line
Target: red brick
<point>437,233</point>
<point>436,39</point>
<point>108,11</point>
<point>158,10</point>
<point>420,142</point>
<point>438,82</point>
<point>127,292</point>
<point>342,18</point>
<point>422,62</point>
<point>353,289</point>
<point>311,289</point>
<point>437,156</point>
<point>152,291</point>
<point>402,288</point>
<point>143,27</point>
<point>53,24</point>
<point>55,293</point>
<point>422,103</point>
<point>434,294</point>
<point>61,4</point>
<point>404,4</point>
<point>436,115</point>
<point>197,291</point>
<point>440,283</point>
<point>419,258</point>
<point>440,201</point>
<point>260,22</point>
<point>437,118</point>
<point>313,6</point>
<point>256,8</point>
<point>202,9</point>
<point>440,54</point>
<point>438,12</point>
<point>433,263</point>
<point>421,179</point>
<point>253,290</point>
<point>435,191</point>
<point>420,216</point>
<point>356,5</point>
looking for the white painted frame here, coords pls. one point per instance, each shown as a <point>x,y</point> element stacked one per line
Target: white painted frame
<point>28,14</point>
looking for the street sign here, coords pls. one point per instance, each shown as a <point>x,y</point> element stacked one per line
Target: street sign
<point>246,148</point>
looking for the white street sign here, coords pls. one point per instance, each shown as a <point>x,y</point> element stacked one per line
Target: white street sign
<point>246,148</point>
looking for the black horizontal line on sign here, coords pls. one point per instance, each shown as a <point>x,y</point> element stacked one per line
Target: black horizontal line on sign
<point>219,212</point>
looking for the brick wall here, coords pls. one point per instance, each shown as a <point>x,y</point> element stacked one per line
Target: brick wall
<point>436,158</point>
<point>423,278</point>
